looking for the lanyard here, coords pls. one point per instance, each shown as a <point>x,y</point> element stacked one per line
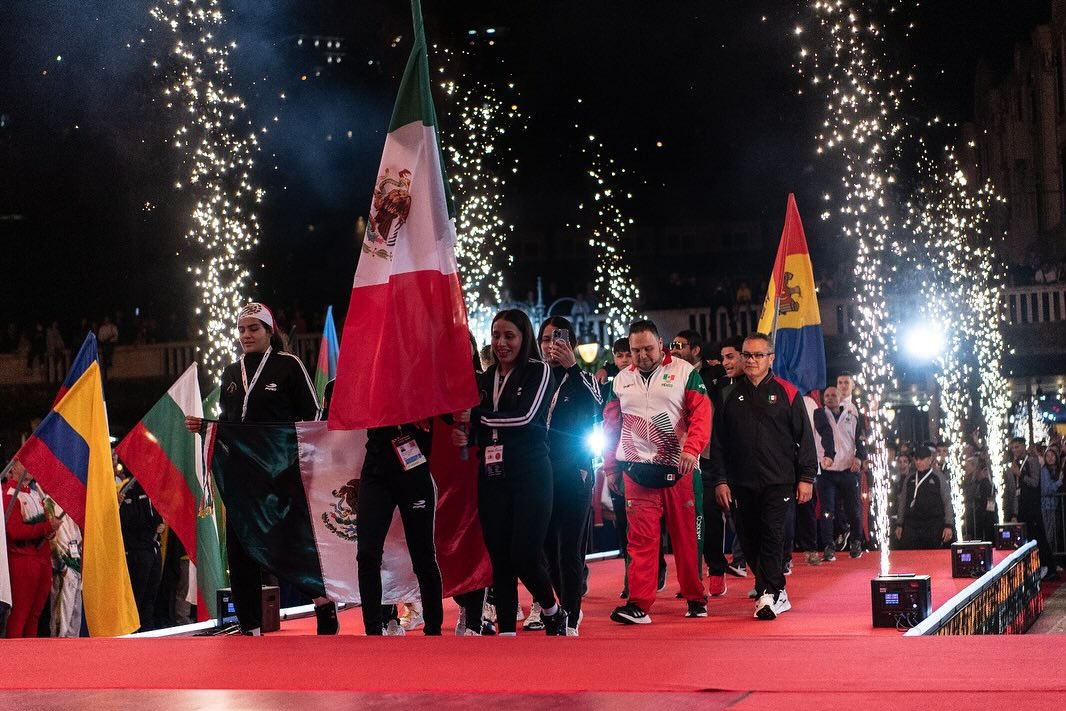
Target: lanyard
<point>555,399</point>
<point>921,481</point>
<point>248,386</point>
<point>498,385</point>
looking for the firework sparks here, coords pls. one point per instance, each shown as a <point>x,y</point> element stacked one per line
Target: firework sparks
<point>219,156</point>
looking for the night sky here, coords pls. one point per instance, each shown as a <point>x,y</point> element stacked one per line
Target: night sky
<point>90,223</point>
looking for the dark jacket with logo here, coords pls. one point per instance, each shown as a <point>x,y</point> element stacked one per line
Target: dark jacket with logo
<point>519,423</point>
<point>575,410</point>
<point>762,436</point>
<point>283,393</point>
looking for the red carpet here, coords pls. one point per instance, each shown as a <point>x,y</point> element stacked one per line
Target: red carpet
<point>822,652</point>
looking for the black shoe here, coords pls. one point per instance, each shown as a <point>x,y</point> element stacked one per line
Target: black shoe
<point>555,625</point>
<point>624,594</point>
<point>487,628</point>
<point>856,549</point>
<point>696,609</point>
<point>326,614</point>
<point>630,614</point>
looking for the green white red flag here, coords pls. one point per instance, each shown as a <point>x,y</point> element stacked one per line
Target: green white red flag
<point>405,354</point>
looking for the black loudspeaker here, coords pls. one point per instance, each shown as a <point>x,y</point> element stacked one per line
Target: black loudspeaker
<point>901,601</point>
<point>970,559</point>
<point>271,622</point>
<point>1010,536</point>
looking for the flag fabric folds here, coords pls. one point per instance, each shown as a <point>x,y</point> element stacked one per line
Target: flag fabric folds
<point>70,455</point>
<point>790,311</point>
<point>406,300</point>
<point>165,458</point>
<point>86,354</point>
<point>328,351</point>
<point>291,493</point>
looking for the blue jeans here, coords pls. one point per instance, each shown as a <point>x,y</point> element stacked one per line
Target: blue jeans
<point>846,484</point>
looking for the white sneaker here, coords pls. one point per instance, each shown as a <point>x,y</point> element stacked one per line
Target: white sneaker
<point>782,604</point>
<point>572,632</point>
<point>764,607</point>
<point>488,612</point>
<point>519,616</point>
<point>411,619</point>
<point>393,629</point>
<point>534,621</point>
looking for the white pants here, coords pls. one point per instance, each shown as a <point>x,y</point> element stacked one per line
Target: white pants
<point>66,604</point>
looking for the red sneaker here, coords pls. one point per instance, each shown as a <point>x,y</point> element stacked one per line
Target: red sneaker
<point>716,585</point>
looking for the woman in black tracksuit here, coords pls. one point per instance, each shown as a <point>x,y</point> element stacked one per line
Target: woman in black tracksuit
<point>265,385</point>
<point>396,475</point>
<point>514,479</point>
<point>572,413</point>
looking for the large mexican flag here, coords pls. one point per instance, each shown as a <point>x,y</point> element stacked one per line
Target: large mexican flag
<point>291,493</point>
<point>406,296</point>
<point>165,458</point>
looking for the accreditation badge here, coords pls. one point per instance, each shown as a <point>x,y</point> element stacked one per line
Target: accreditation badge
<point>494,461</point>
<point>407,450</point>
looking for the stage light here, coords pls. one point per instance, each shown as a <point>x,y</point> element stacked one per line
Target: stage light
<point>923,342</point>
<point>596,441</point>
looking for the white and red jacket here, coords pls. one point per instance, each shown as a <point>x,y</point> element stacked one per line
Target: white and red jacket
<point>654,420</point>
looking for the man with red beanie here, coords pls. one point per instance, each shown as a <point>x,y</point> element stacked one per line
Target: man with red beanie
<point>657,421</point>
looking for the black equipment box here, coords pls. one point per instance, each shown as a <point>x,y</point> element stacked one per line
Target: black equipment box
<point>970,559</point>
<point>271,622</point>
<point>901,601</point>
<point>1010,536</point>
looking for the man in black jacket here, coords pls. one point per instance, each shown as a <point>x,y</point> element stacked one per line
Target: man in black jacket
<point>762,454</point>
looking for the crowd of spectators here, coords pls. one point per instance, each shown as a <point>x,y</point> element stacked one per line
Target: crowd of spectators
<point>41,339</point>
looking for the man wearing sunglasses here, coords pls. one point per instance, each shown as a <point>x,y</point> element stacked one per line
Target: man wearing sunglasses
<point>763,455</point>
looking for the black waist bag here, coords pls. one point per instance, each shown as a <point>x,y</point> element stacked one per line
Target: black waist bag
<point>653,476</point>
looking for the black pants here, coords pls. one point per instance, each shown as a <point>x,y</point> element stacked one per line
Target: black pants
<point>514,511</point>
<point>245,581</point>
<point>383,488</point>
<point>568,534</point>
<point>144,566</point>
<point>713,528</point>
<point>473,604</point>
<point>761,515</point>
<point>922,534</point>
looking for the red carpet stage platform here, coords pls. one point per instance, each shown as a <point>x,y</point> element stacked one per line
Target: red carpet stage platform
<point>824,653</point>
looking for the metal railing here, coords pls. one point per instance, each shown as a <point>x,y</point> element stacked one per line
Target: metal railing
<point>1023,306</point>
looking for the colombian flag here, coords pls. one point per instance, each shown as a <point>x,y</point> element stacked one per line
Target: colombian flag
<point>70,455</point>
<point>790,312</point>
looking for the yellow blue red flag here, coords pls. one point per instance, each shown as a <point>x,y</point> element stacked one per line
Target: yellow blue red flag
<point>790,311</point>
<point>70,455</point>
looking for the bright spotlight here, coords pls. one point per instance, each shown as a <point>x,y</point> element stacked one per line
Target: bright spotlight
<point>596,441</point>
<point>923,342</point>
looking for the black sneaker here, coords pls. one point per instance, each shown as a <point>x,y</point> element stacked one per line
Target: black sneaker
<point>555,625</point>
<point>662,580</point>
<point>630,614</point>
<point>326,615</point>
<point>842,540</point>
<point>856,549</point>
<point>624,594</point>
<point>696,609</point>
<point>739,570</point>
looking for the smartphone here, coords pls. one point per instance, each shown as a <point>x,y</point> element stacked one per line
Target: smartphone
<point>561,334</point>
